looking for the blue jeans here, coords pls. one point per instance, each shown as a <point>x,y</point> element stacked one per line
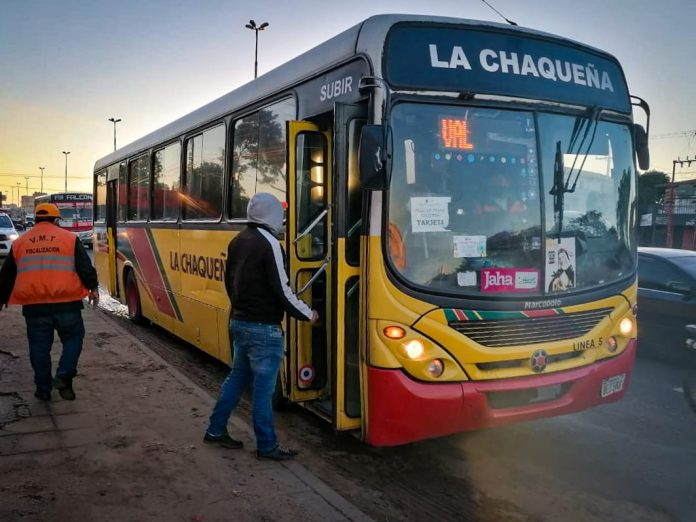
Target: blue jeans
<point>258,352</point>
<point>71,331</point>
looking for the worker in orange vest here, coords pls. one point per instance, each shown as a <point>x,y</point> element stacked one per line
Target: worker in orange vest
<point>48,272</point>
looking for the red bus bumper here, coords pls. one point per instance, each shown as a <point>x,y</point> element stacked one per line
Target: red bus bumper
<point>401,410</point>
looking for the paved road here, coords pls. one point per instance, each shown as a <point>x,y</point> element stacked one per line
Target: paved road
<point>634,460</point>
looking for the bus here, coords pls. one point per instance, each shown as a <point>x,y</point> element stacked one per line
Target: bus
<point>75,212</point>
<point>460,208</point>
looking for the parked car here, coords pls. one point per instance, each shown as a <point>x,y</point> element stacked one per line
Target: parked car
<point>8,234</point>
<point>666,302</point>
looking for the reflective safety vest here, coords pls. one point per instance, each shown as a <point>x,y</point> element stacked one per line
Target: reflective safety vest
<point>45,258</point>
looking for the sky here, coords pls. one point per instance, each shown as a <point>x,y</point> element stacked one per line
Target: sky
<point>67,66</point>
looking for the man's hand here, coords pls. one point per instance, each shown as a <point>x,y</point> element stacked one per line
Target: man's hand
<point>315,317</point>
<point>94,297</point>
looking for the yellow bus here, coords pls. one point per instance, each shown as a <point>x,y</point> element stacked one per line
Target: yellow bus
<point>460,203</point>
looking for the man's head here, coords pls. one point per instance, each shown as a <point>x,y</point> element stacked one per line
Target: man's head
<point>265,209</point>
<point>46,212</point>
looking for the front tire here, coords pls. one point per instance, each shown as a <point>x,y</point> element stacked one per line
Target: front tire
<point>135,312</point>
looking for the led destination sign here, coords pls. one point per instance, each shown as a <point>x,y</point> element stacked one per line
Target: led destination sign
<point>469,60</point>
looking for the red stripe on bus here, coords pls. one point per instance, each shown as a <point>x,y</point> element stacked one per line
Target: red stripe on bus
<point>460,315</point>
<point>151,276</point>
<point>540,313</point>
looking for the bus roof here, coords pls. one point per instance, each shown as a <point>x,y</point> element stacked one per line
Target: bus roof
<point>364,39</point>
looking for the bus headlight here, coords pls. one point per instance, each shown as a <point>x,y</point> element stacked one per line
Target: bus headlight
<point>436,368</point>
<point>626,326</point>
<point>413,349</point>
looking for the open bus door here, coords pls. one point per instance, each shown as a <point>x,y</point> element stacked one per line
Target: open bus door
<point>349,120</point>
<point>308,248</point>
<point>111,220</point>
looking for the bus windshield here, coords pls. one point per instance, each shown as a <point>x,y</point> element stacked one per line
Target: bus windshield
<point>470,209</point>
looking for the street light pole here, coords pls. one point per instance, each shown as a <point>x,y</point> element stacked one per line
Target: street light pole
<point>66,169</point>
<point>26,178</point>
<point>114,121</point>
<point>42,169</point>
<point>19,203</point>
<point>252,25</point>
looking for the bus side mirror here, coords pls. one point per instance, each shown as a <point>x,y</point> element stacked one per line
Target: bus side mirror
<point>373,158</point>
<point>642,149</point>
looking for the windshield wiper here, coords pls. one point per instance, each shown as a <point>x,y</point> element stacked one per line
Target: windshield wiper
<point>561,183</point>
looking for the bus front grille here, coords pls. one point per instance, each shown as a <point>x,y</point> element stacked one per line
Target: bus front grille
<point>530,330</point>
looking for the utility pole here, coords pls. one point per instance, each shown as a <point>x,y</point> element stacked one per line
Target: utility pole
<point>114,121</point>
<point>252,25</point>
<point>19,203</point>
<point>26,178</point>
<point>66,169</point>
<point>42,169</point>
<point>671,198</point>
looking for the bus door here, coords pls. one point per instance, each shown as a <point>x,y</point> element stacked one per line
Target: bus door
<point>308,248</point>
<point>348,122</point>
<point>111,220</point>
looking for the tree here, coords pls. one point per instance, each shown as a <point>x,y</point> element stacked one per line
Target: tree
<point>651,189</point>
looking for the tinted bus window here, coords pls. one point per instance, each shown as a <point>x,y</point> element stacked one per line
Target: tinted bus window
<point>270,165</point>
<point>205,161</point>
<point>259,155</point>
<point>100,194</point>
<point>165,183</point>
<point>122,186</point>
<point>137,189</point>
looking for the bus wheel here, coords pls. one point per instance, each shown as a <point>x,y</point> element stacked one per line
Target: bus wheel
<point>135,313</point>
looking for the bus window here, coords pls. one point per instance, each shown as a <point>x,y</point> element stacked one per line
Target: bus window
<point>137,189</point>
<point>245,153</point>
<point>270,165</point>
<point>205,161</point>
<point>100,194</point>
<point>259,155</point>
<point>165,183</point>
<point>122,190</point>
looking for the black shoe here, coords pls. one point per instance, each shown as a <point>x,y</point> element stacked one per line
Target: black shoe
<point>223,440</point>
<point>64,387</point>
<point>42,395</point>
<point>279,453</point>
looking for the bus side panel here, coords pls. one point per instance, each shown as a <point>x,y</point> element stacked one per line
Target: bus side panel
<point>102,253</point>
<point>200,262</point>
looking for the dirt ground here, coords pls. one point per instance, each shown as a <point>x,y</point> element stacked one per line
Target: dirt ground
<point>130,447</point>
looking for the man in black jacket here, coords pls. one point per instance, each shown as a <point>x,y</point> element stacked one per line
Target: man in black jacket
<point>258,288</point>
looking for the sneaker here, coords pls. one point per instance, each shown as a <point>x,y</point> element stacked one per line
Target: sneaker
<point>279,453</point>
<point>64,387</point>
<point>43,395</point>
<point>223,440</point>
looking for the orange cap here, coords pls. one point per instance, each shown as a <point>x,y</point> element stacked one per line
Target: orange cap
<point>44,210</point>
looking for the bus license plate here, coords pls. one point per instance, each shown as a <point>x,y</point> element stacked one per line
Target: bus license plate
<point>613,385</point>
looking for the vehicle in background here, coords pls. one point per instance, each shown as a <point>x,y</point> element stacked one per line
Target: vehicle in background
<point>689,385</point>
<point>8,234</point>
<point>667,302</point>
<point>75,213</point>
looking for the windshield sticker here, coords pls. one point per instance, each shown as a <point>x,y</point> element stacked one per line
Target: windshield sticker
<point>509,279</point>
<point>430,214</point>
<point>466,278</point>
<point>560,264</point>
<point>469,246</point>
<point>410,157</point>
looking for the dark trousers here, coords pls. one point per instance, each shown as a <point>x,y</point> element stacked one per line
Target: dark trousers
<point>71,332</point>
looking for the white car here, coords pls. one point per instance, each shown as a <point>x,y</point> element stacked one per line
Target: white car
<point>8,234</point>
